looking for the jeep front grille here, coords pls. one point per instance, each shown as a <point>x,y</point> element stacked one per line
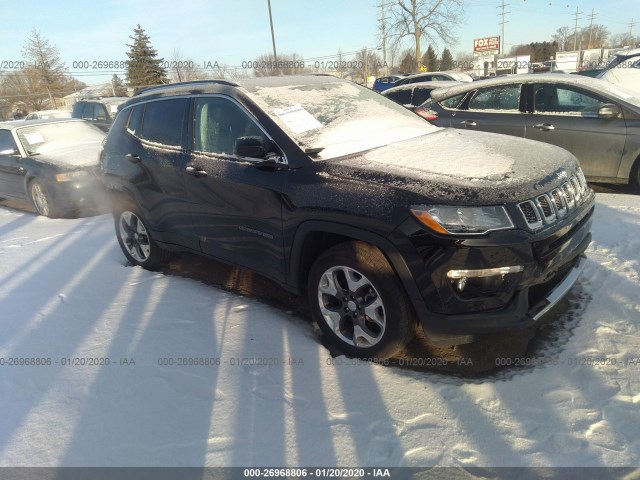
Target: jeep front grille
<point>547,208</point>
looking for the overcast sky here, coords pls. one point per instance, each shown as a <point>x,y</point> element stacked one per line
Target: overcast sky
<point>232,32</point>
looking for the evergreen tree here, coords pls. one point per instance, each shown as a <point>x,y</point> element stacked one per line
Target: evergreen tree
<point>407,65</point>
<point>144,67</point>
<point>446,62</point>
<point>430,60</point>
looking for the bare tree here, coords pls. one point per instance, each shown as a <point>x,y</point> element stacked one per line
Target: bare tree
<point>563,37</point>
<point>624,40</point>
<point>430,20</point>
<point>368,63</point>
<point>45,73</point>
<point>183,69</point>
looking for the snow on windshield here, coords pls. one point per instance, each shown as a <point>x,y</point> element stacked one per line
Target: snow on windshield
<point>49,138</point>
<point>339,118</point>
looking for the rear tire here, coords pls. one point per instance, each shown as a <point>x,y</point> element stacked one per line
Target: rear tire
<point>359,303</point>
<point>42,200</point>
<point>135,238</point>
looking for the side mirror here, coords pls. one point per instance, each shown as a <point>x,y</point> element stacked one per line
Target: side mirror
<point>609,111</point>
<point>252,147</point>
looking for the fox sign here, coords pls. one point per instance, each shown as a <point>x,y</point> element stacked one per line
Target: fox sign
<point>487,44</point>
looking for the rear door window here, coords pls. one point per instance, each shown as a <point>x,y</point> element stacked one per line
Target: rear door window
<point>164,121</point>
<point>503,97</point>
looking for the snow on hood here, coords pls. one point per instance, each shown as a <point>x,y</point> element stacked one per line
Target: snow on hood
<point>463,165</point>
<point>72,154</point>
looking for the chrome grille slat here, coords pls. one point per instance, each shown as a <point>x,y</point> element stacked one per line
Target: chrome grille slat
<point>548,207</point>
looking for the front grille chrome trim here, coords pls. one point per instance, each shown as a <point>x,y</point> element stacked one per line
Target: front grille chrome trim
<point>547,208</point>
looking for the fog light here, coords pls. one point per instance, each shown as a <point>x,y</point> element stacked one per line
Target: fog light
<point>484,282</point>
<point>486,272</point>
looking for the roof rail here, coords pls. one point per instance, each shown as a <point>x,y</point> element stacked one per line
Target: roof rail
<point>181,84</point>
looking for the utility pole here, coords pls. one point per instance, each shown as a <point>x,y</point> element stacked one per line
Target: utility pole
<point>502,14</point>
<point>384,37</point>
<point>575,30</point>
<point>273,39</point>
<point>631,24</point>
<point>591,26</point>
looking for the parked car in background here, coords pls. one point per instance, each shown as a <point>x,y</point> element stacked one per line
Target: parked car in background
<point>384,83</point>
<point>596,121</point>
<point>99,111</point>
<point>413,95</point>
<point>47,114</point>
<point>623,69</point>
<point>332,190</point>
<point>51,163</point>
<point>434,77</point>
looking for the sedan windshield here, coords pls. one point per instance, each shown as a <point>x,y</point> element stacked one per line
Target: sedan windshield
<point>334,119</point>
<point>51,138</point>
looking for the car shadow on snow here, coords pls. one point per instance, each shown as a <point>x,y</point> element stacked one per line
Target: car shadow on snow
<point>490,356</point>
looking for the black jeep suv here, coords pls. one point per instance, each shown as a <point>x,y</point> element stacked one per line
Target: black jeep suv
<point>327,187</point>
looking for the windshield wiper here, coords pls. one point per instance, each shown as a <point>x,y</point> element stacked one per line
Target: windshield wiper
<point>32,153</point>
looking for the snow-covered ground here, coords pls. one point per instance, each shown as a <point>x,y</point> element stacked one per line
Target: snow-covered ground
<point>277,397</point>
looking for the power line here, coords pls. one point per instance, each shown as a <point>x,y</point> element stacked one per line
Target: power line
<point>593,15</point>
<point>502,14</point>
<point>575,30</point>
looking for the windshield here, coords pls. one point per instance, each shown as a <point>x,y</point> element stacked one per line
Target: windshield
<point>52,137</point>
<point>334,119</point>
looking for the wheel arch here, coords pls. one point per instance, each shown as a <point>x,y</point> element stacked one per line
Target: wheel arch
<point>314,237</point>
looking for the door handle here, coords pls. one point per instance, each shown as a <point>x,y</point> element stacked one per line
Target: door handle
<point>133,157</point>
<point>196,171</point>
<point>468,123</point>
<point>544,126</point>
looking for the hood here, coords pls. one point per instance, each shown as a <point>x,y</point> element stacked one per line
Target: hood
<point>72,155</point>
<point>461,166</point>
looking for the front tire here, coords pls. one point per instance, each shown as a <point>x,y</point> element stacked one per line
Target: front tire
<point>136,241</point>
<point>42,200</point>
<point>359,303</point>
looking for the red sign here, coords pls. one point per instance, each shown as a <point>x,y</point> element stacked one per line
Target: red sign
<point>487,44</point>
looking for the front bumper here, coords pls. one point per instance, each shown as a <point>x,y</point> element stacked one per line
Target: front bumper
<point>89,193</point>
<point>552,261</point>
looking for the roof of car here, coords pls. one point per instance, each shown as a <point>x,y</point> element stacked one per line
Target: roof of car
<point>430,84</point>
<point>565,78</point>
<point>215,86</point>
<point>51,111</point>
<point>12,125</point>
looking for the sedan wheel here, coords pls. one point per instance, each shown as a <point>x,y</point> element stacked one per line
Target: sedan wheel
<point>41,199</point>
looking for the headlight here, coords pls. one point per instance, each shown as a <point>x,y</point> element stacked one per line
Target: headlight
<point>71,176</point>
<point>463,220</point>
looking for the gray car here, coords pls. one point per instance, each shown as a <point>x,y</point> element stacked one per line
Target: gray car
<point>596,121</point>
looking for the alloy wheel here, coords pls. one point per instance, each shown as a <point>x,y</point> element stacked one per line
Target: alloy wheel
<point>134,236</point>
<point>351,306</point>
<point>40,200</point>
